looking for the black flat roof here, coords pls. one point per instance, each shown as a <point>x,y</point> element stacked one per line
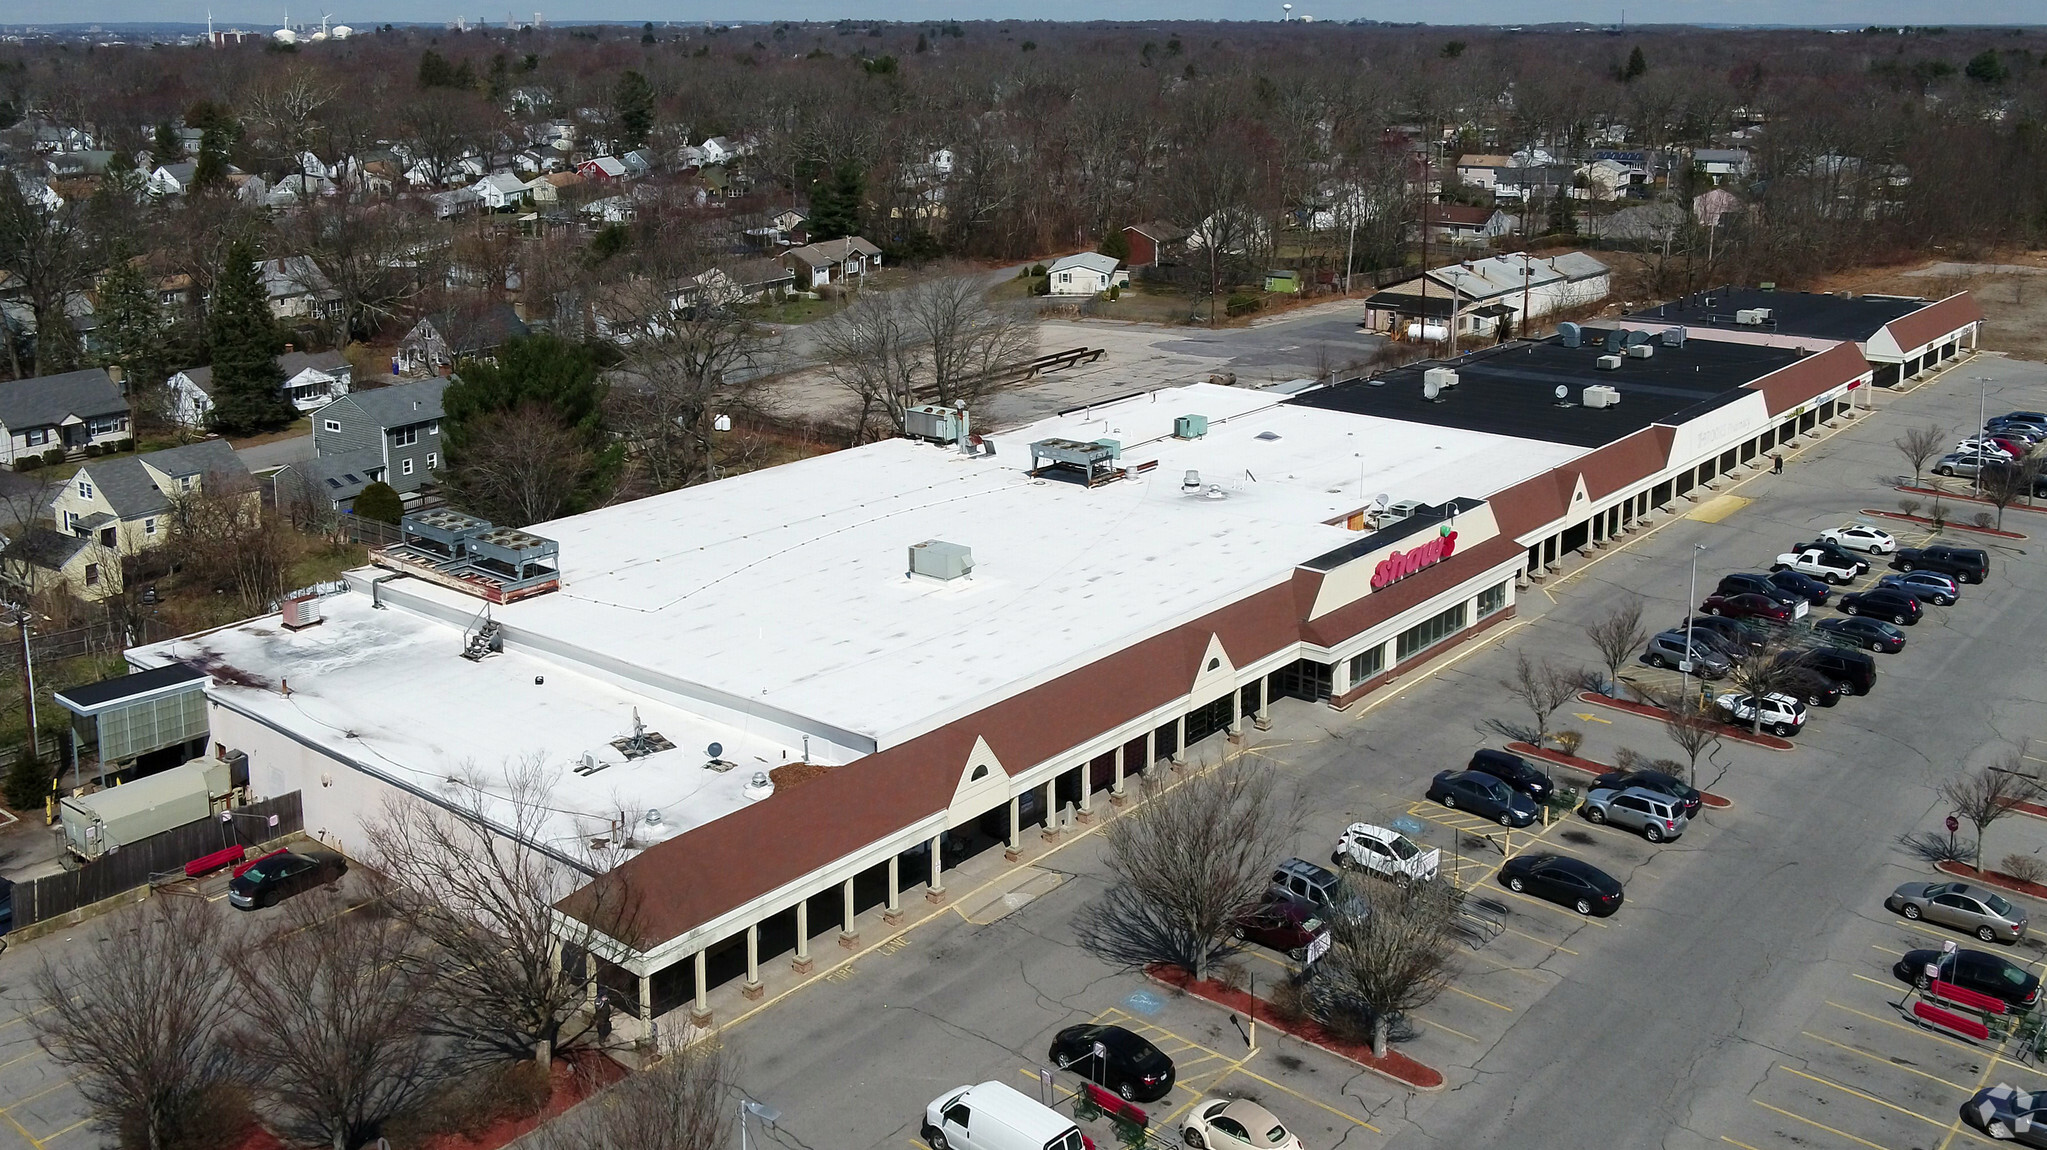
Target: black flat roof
<point>1511,389</point>
<point>105,691</point>
<point>1815,314</point>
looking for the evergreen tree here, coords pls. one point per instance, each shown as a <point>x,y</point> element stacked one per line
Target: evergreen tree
<point>540,376</point>
<point>131,329</point>
<point>1636,65</point>
<point>381,502</point>
<point>435,71</point>
<point>923,45</point>
<point>248,386</point>
<point>632,109</point>
<point>1987,67</point>
<point>835,202</point>
<point>166,148</point>
<point>210,173</point>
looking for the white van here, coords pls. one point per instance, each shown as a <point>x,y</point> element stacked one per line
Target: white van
<point>992,1116</point>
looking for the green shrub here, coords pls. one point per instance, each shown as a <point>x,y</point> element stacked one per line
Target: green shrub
<point>53,456</point>
<point>27,462</point>
<point>1243,303</point>
<point>119,445</point>
<point>379,501</point>
<point>94,451</point>
<point>1037,269</point>
<point>1115,290</point>
<point>28,781</point>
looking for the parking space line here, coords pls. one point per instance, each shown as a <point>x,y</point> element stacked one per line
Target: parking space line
<point>1588,920</point>
<point>1723,1138</point>
<point>1310,1101</point>
<point>1445,1029</point>
<point>67,1129</point>
<point>1918,1030</point>
<point>1820,1125</point>
<point>1878,982</point>
<point>1882,1060</point>
<point>1865,1097</point>
<point>22,1130</point>
<point>58,1085</point>
<point>1476,998</point>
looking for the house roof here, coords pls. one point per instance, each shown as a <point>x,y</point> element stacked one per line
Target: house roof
<point>1720,156</point>
<point>401,404</point>
<point>91,698</point>
<point>505,182</point>
<point>133,492</point>
<point>609,165</point>
<point>1159,231</point>
<point>756,273</point>
<point>294,276</point>
<point>181,172</point>
<point>1485,160</point>
<point>48,400</point>
<point>1458,215</point>
<point>468,331</point>
<point>293,362</point>
<point>42,547</point>
<point>338,477</point>
<point>1091,261</point>
<point>825,253</point>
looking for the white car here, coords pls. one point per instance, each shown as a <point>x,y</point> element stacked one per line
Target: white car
<point>1982,446</point>
<point>1388,854</point>
<point>1782,714</point>
<point>1235,1124</point>
<point>1862,537</point>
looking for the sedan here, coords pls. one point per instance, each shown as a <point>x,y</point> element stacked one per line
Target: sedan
<point>1925,586</point>
<point>1115,1059</point>
<point>1563,880</point>
<point>1973,909</point>
<point>1862,537</point>
<point>1872,634</point>
<point>2008,1114</point>
<point>1973,970</point>
<point>1746,607</point>
<point>1984,446</point>
<point>1282,924</point>
<point>1483,795</point>
<point>1961,463</point>
<point>1512,770</point>
<point>1815,591</point>
<point>1235,1124</point>
<point>281,874</point>
<point>1684,795</point>
<point>1884,603</point>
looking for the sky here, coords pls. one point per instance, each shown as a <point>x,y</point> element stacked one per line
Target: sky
<point>364,12</point>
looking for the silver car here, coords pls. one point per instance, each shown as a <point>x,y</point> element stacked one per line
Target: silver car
<point>1652,815</point>
<point>1977,910</point>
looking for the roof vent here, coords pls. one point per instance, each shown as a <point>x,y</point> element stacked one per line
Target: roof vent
<point>1191,482</point>
<point>1608,363</point>
<point>1600,395</point>
<point>1674,336</point>
<point>1190,426</point>
<point>1569,334</point>
<point>1641,350</point>
<point>938,559</point>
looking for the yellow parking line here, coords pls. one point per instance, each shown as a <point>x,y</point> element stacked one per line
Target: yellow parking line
<point>1877,982</point>
<point>1918,1030</point>
<point>1882,1060</point>
<point>1942,1123</point>
<point>1477,998</point>
<point>23,1130</point>
<point>58,1085</point>
<point>1445,1029</point>
<point>1308,1100</point>
<point>67,1129</point>
<point>1587,919</point>
<point>1723,1138</point>
<point>1820,1125</point>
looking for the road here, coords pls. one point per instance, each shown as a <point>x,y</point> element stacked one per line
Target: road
<point>277,453</point>
<point>1752,952</point>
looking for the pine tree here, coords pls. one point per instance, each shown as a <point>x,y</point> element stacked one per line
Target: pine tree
<point>167,148</point>
<point>835,203</point>
<point>632,107</point>
<point>131,329</point>
<point>211,170</point>
<point>248,386</point>
<point>1636,65</point>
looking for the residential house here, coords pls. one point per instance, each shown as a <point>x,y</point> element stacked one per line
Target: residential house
<point>720,150</point>
<point>1459,223</point>
<point>171,179</point>
<point>1604,180</point>
<point>319,169</point>
<point>38,191</point>
<point>742,281</point>
<point>451,203</point>
<point>312,380</point>
<point>1233,231</point>
<point>77,165</point>
<point>831,262</point>
<point>1534,183</point>
<point>437,341</point>
<point>1710,205</point>
<point>1722,163</point>
<point>602,168</point>
<point>1482,171</point>
<point>124,504</point>
<point>500,191</point>
<point>298,289</point>
<point>62,412</point>
<point>541,192</point>
<point>1491,296</point>
<point>291,191</point>
<point>1085,274</point>
<point>638,163</point>
<point>790,226</point>
<point>609,210</point>
<point>392,433</point>
<point>39,561</point>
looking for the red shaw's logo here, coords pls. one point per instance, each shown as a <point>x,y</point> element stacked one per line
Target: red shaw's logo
<point>1401,564</point>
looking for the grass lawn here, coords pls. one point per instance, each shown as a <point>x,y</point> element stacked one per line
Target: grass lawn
<point>323,561</point>
<point>799,310</point>
<point>1023,287</point>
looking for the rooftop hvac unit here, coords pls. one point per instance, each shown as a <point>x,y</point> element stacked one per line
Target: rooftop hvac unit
<point>1674,336</point>
<point>300,612</point>
<point>1641,350</point>
<point>1608,363</point>
<point>1442,377</point>
<point>1569,334</point>
<point>1404,509</point>
<point>941,560</point>
<point>1752,316</point>
<point>935,422</point>
<point>1190,426</point>
<point>1600,395</point>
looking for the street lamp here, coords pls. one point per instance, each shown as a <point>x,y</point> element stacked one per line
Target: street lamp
<point>1982,382</point>
<point>1691,613</point>
<point>768,1116</point>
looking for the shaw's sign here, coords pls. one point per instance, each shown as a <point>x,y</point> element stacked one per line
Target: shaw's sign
<point>1401,564</point>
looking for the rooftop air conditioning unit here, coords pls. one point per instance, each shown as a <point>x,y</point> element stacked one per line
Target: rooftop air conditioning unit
<point>1747,316</point>
<point>1442,377</point>
<point>1190,426</point>
<point>1674,336</point>
<point>1404,509</point>
<point>941,560</point>
<point>1641,350</point>
<point>1765,315</point>
<point>1600,395</point>
<point>935,422</point>
<point>1608,363</point>
<point>300,612</point>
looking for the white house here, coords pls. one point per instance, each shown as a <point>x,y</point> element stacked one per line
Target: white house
<point>298,289</point>
<point>831,261</point>
<point>1722,163</point>
<point>1482,171</point>
<point>1085,274</point>
<point>312,380</point>
<point>501,190</point>
<point>171,179</point>
<point>610,210</point>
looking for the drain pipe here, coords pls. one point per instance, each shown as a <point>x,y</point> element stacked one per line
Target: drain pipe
<point>377,601</point>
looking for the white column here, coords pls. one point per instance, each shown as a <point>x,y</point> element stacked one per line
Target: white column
<point>753,987</point>
<point>1179,740</point>
<point>647,993</point>
<point>849,933</point>
<point>1116,775</point>
<point>802,964</point>
<point>1015,841</point>
<point>1087,789</point>
<point>1051,828</point>
<point>702,1011</point>
<point>935,889</point>
<point>894,913</point>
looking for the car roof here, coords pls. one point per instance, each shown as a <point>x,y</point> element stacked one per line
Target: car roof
<point>1370,831</point>
<point>1579,867</point>
<point>1255,1118</point>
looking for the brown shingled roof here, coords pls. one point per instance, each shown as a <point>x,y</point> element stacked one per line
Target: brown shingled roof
<point>1794,383</point>
<point>1935,321</point>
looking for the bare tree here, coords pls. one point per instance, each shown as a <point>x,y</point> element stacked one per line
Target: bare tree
<point>217,533</point>
<point>1543,688</point>
<point>1775,666</point>
<point>967,339</point>
<point>47,249</point>
<point>683,1102</point>
<point>1384,963</point>
<point>695,365</point>
<point>140,1017</point>
<point>1188,860</point>
<point>2006,484</point>
<point>333,1009</point>
<point>1983,796</point>
<point>522,466</point>
<point>870,351</point>
<point>467,875</point>
<point>1692,725</point>
<point>1918,445</point>
<point>1619,635</point>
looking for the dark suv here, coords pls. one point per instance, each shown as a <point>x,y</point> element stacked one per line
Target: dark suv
<point>1884,603</point>
<point>1512,770</point>
<point>1967,564</point>
<point>1855,671</point>
<point>1747,583</point>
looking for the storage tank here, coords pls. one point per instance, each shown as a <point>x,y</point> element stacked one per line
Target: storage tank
<point>105,821</point>
<point>1432,333</point>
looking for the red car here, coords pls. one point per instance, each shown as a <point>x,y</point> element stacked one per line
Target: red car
<point>1281,924</point>
<point>1747,606</point>
<point>2017,447</point>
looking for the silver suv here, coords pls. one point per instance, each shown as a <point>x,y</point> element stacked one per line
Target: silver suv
<point>1668,649</point>
<point>1654,816</point>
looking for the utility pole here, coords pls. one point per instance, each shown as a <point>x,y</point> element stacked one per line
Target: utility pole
<point>28,680</point>
<point>1425,247</point>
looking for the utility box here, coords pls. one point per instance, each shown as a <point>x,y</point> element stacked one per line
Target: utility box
<point>938,559</point>
<point>1641,350</point>
<point>936,422</point>
<point>1600,395</point>
<point>1190,427</point>
<point>105,821</point>
<point>1607,363</point>
<point>1442,377</point>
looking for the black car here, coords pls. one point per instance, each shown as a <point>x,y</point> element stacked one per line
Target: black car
<point>281,874</point>
<point>1974,970</point>
<point>1114,1059</point>
<point>1967,564</point>
<point>1814,590</point>
<point>1483,795</point>
<point>1514,771</point>
<point>1750,583</point>
<point>1884,603</point>
<point>1861,632</point>
<point>1679,792</point>
<point>1805,684</point>
<point>1837,553</point>
<point>1564,880</point>
<point>1853,671</point>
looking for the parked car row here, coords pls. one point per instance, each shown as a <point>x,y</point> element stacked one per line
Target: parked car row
<point>2005,441</point>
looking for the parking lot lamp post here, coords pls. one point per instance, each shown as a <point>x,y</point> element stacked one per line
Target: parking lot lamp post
<point>767,1114</point>
<point>1691,613</point>
<point>1982,382</point>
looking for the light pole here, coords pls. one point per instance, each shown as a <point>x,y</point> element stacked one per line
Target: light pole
<point>1691,613</point>
<point>1982,383</point>
<point>767,1114</point>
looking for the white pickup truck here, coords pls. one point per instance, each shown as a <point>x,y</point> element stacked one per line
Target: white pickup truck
<point>1817,563</point>
<point>1388,854</point>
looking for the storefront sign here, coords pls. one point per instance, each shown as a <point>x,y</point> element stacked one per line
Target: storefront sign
<point>1401,564</point>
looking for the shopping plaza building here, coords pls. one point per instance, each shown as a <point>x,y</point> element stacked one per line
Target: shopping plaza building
<point>799,695</point>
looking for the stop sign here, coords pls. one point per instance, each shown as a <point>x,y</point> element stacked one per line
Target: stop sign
<point>1953,824</point>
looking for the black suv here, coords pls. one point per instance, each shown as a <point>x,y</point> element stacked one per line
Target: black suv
<point>1748,583</point>
<point>1512,770</point>
<point>1855,671</point>
<point>1884,603</point>
<point>1799,583</point>
<point>1964,563</point>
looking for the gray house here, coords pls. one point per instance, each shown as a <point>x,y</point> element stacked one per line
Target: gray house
<point>65,411</point>
<point>387,433</point>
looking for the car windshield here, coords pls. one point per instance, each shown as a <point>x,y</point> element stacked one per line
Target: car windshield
<point>1402,847</point>
<point>1276,1135</point>
<point>1998,906</point>
<point>2016,975</point>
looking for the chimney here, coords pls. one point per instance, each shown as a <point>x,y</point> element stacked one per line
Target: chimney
<point>288,349</point>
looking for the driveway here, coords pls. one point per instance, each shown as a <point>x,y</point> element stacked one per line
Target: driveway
<point>277,453</point>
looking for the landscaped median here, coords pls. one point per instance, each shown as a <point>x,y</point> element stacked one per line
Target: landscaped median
<point>1943,525</point>
<point>1661,715</point>
<point>1992,878</point>
<point>1395,1065</point>
<point>1592,768</point>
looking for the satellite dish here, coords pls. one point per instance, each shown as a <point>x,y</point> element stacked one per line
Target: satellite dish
<point>715,750</point>
<point>1380,500</point>
<point>1431,389</point>
<point>1563,393</point>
